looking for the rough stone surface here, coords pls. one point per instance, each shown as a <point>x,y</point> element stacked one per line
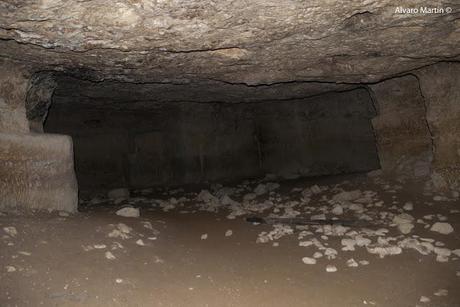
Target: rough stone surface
<point>13,87</point>
<point>38,100</point>
<point>190,142</point>
<point>36,172</point>
<point>440,85</point>
<point>256,42</point>
<point>402,134</point>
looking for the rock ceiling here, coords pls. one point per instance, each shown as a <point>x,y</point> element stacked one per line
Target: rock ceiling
<point>256,42</point>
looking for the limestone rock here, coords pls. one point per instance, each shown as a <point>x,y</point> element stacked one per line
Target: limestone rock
<point>128,212</point>
<point>443,228</point>
<point>259,42</point>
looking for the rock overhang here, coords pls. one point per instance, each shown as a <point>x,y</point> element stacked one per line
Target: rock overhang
<point>239,42</point>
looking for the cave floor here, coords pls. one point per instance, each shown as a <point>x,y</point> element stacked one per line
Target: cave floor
<point>187,257</point>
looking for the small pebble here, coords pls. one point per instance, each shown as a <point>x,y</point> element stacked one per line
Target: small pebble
<point>308,260</point>
<point>424,299</point>
<point>331,268</point>
<point>109,255</point>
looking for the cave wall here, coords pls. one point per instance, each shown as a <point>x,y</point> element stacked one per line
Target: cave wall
<point>174,143</point>
<point>402,134</point>
<point>36,170</point>
<point>440,87</point>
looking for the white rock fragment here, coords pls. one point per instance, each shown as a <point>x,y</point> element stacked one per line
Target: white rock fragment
<point>305,243</point>
<point>207,197</point>
<point>424,299</point>
<point>63,214</point>
<point>352,263</point>
<point>140,242</point>
<point>317,255</point>
<point>10,268</point>
<point>408,206</point>
<point>118,194</point>
<point>404,222</point>
<point>121,231</point>
<point>442,228</point>
<point>99,246</point>
<point>109,255</point>
<point>228,233</point>
<point>118,280</point>
<point>384,250</point>
<point>204,236</point>
<point>337,210</point>
<point>128,212</point>
<point>331,268</point>
<point>441,292</point>
<point>11,231</point>
<point>308,260</point>
<point>347,195</point>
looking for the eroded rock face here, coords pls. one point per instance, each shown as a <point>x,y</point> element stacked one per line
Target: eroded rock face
<point>402,133</point>
<point>440,86</point>
<point>38,101</point>
<point>256,42</point>
<point>36,172</point>
<point>13,88</point>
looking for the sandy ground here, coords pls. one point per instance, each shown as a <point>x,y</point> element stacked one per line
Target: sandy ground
<point>55,261</point>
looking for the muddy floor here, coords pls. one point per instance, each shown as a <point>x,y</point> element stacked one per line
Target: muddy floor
<point>375,246</point>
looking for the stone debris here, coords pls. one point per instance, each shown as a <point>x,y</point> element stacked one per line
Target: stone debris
<point>99,246</point>
<point>11,231</point>
<point>279,231</point>
<point>337,210</point>
<point>128,212</point>
<point>384,250</point>
<point>352,263</point>
<point>331,268</point>
<point>404,222</point>
<point>441,292</point>
<point>121,231</point>
<point>308,260</point>
<point>109,255</point>
<point>10,268</point>
<point>118,194</point>
<point>347,196</point>
<point>140,242</point>
<point>424,299</point>
<point>329,203</point>
<point>408,206</point>
<point>442,228</point>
